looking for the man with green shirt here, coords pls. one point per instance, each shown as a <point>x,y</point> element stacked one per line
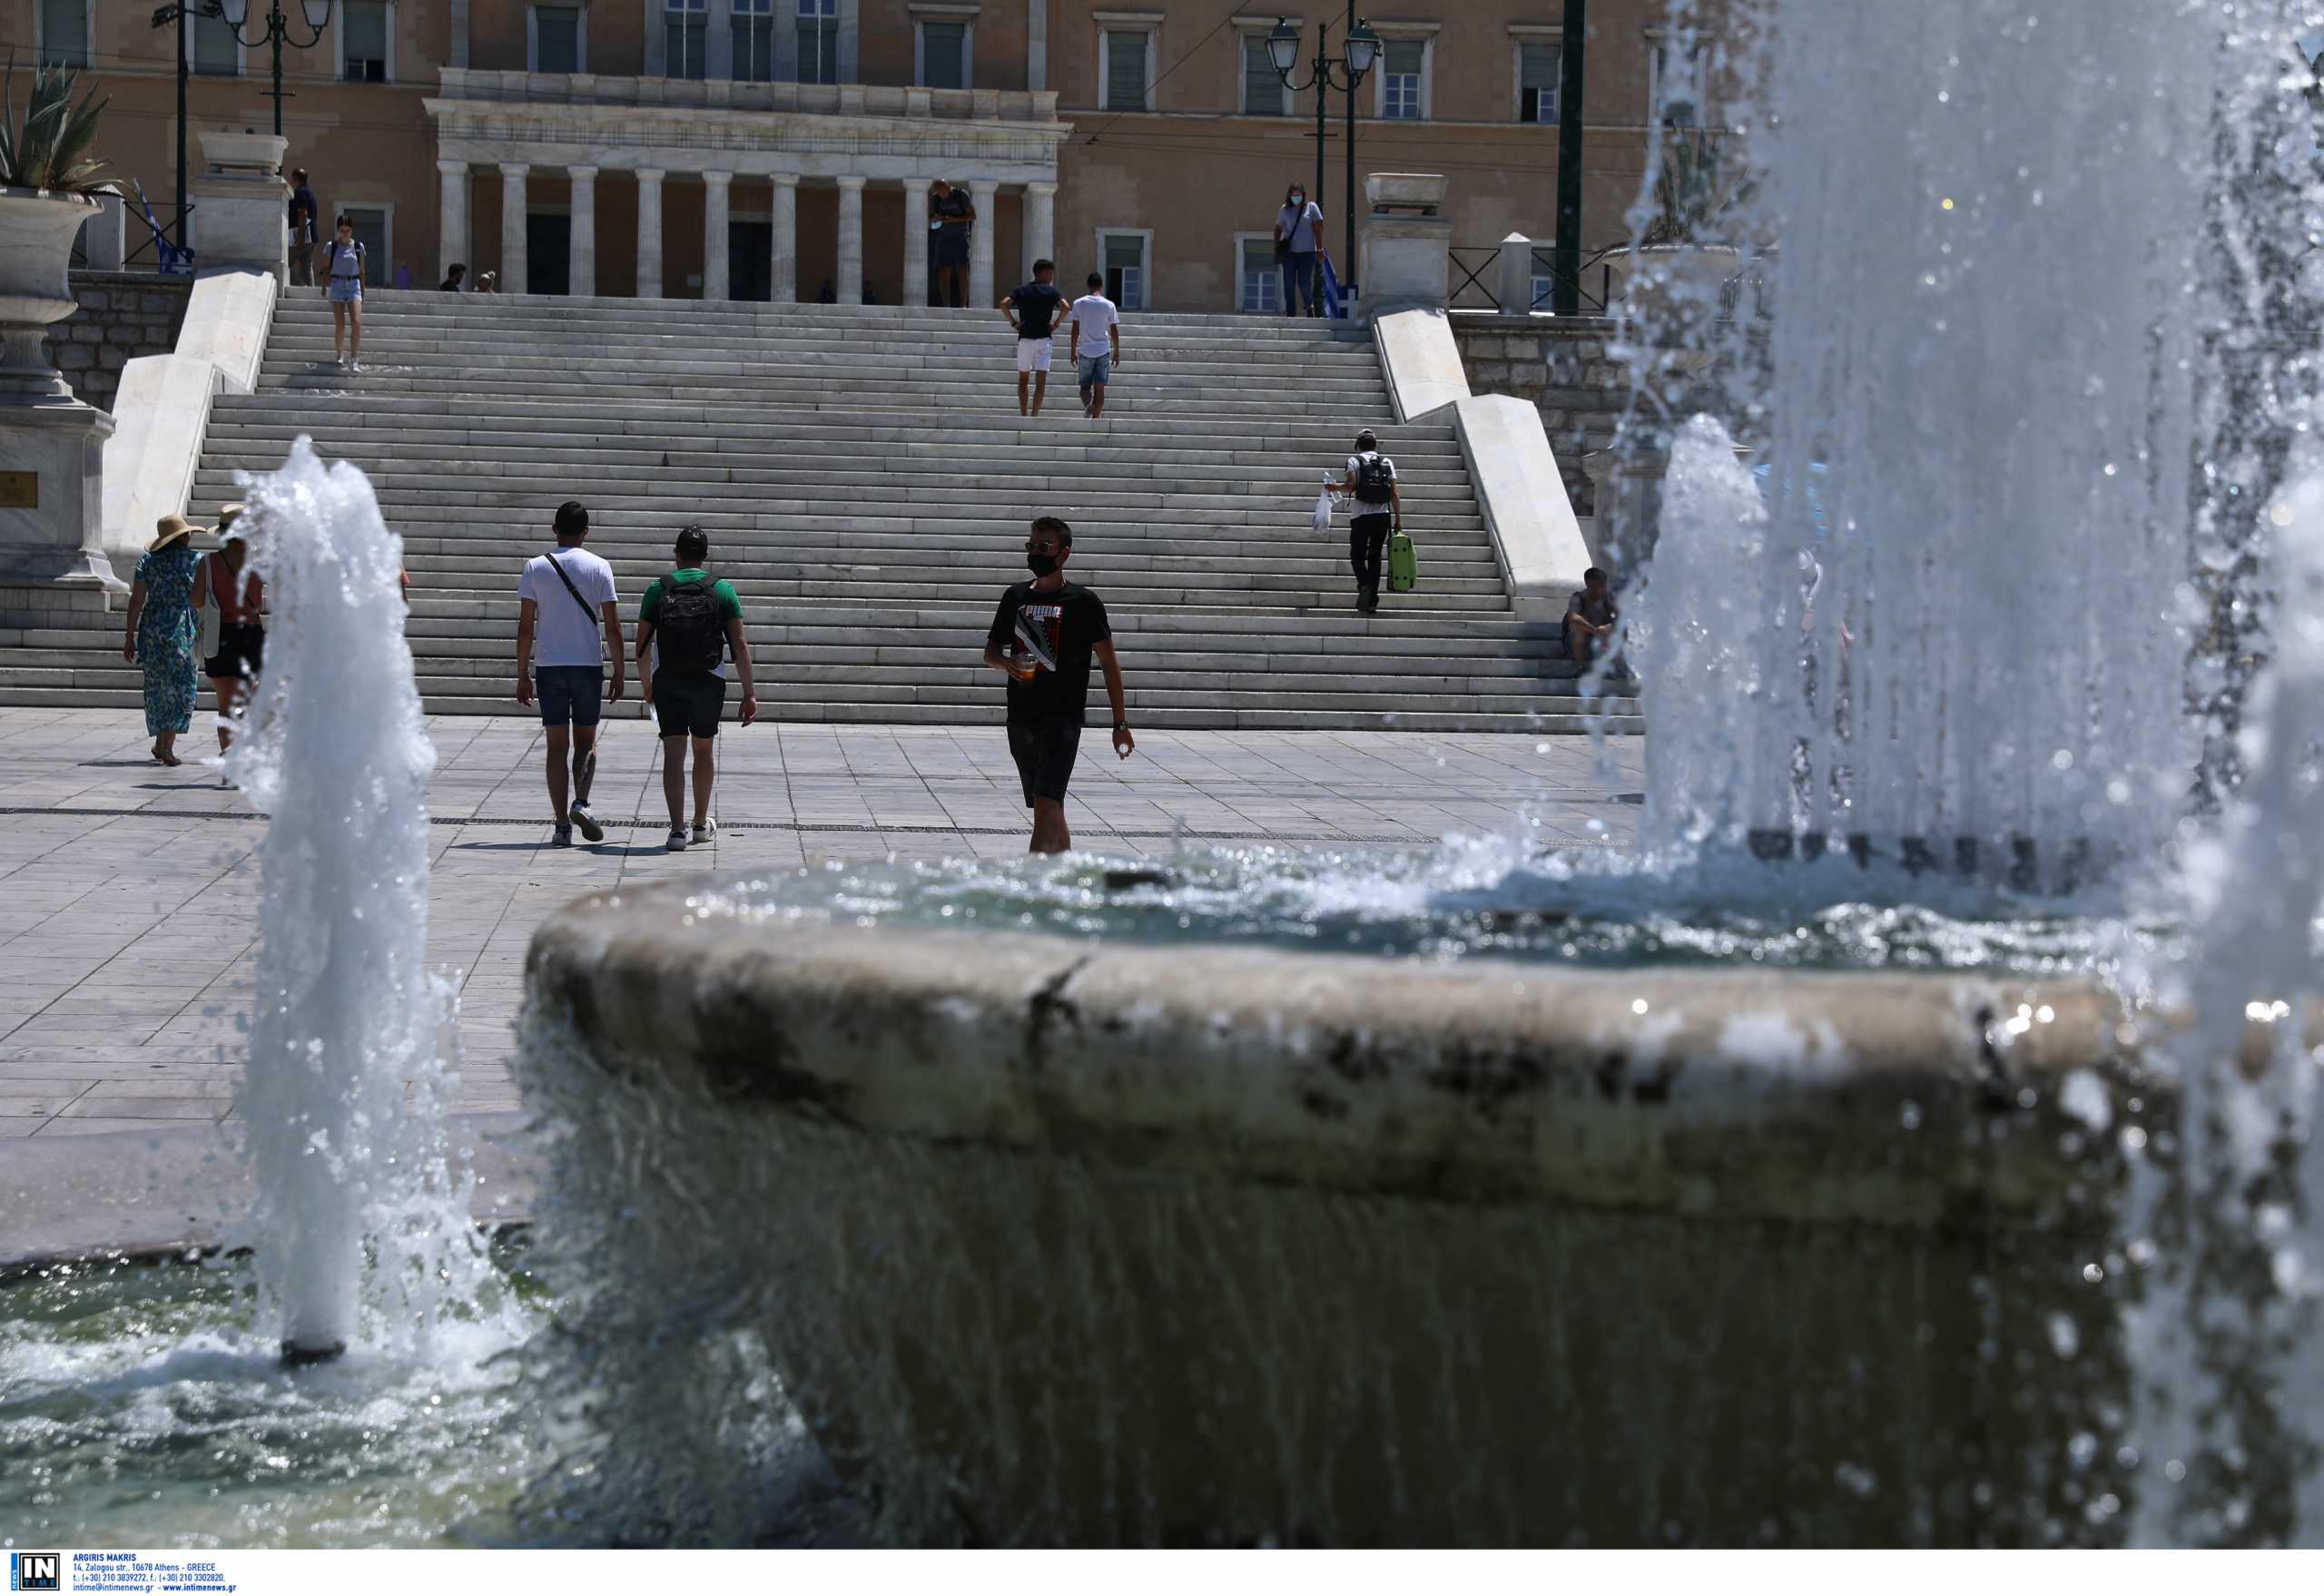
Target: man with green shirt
<point>694,619</point>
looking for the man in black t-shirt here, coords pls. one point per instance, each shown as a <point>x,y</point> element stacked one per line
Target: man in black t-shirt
<point>303,230</point>
<point>955,215</point>
<point>1042,639</point>
<point>1033,310</point>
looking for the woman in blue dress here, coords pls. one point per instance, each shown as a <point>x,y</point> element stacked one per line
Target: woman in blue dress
<point>162,628</point>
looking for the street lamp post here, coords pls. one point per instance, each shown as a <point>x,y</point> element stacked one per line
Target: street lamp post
<point>1325,74</point>
<point>274,29</point>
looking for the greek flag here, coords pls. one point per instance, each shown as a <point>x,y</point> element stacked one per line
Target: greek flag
<point>1334,305</point>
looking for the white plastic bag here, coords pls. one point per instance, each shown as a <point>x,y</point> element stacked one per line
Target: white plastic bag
<point>1323,511</point>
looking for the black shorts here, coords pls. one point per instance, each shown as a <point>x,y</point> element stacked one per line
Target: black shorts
<point>1045,751</point>
<point>240,650</point>
<point>953,248</point>
<point>688,704</point>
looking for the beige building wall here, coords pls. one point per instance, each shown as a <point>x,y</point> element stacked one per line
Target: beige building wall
<point>1193,172</point>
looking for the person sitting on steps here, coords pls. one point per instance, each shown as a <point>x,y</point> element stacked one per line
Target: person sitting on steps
<point>1589,618</point>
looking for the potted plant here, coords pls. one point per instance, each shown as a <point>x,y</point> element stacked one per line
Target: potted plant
<point>49,186</point>
<point>1691,246</point>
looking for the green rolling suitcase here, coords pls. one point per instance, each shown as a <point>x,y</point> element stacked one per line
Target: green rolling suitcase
<point>1404,568</point>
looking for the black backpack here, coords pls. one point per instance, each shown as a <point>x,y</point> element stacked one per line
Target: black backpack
<point>1374,477</point>
<point>689,626</point>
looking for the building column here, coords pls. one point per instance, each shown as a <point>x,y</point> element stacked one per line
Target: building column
<point>848,283</point>
<point>513,174</point>
<point>783,276</point>
<point>649,234</point>
<point>715,251</point>
<point>916,219</point>
<point>452,221</point>
<point>985,194</point>
<point>582,270</point>
<point>1040,224</point>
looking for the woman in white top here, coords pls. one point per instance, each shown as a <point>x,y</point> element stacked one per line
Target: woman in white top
<point>1298,228</point>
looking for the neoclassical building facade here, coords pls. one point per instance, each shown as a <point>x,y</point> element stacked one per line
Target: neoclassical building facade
<point>785,149</point>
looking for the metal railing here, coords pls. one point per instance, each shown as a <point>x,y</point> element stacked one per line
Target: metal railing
<point>1476,272</point>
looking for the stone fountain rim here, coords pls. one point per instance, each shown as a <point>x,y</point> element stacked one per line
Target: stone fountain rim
<point>1913,1097</point>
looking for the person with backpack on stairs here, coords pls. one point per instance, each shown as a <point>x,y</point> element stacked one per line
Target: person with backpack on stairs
<point>344,290</point>
<point>566,603</point>
<point>692,619</point>
<point>1370,482</point>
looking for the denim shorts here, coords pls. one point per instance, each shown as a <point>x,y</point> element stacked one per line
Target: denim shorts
<point>570,695</point>
<point>346,290</point>
<point>1094,370</point>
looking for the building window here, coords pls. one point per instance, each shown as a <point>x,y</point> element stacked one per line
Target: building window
<point>64,32</point>
<point>753,41</point>
<point>1402,64</point>
<point>1127,56</point>
<point>1538,67</point>
<point>685,27</point>
<point>375,230</point>
<point>560,39</point>
<point>1261,278</point>
<point>1678,82</point>
<point>1264,92</point>
<point>216,52</point>
<point>1539,288</point>
<point>1125,255</point>
<point>943,55</point>
<point>818,41</point>
<point>363,29</point>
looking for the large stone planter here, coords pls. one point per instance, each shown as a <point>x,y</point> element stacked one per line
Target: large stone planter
<point>52,445</point>
<point>38,229</point>
<point>245,204</point>
<point>1671,287</point>
<point>1059,1243</point>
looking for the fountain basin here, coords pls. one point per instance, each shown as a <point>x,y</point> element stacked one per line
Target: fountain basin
<point>1051,1243</point>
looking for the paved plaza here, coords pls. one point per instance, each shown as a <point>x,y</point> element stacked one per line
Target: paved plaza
<point>128,892</point>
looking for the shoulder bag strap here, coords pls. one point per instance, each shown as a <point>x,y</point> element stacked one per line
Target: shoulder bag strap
<point>557,566</point>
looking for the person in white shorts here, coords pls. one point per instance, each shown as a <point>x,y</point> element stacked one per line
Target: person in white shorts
<point>1097,344</point>
<point>1033,310</point>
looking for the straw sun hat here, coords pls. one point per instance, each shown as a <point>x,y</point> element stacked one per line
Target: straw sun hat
<point>168,530</point>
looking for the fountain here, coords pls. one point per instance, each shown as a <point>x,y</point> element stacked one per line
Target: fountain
<point>1501,1228</point>
<point>1910,1146</point>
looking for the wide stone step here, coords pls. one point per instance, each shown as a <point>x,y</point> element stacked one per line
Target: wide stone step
<point>722,417</point>
<point>990,353</point>
<point>501,310</point>
<point>1216,404</point>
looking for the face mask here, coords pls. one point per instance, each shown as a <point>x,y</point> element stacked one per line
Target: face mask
<point>1040,565</point>
<point>1298,199</point>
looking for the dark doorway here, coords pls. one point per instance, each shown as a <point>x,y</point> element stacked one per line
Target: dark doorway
<point>548,254</point>
<point>749,260</point>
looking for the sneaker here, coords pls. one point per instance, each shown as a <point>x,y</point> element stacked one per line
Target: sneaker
<point>587,822</point>
<point>704,829</point>
<point>561,838</point>
<point>677,839</point>
<point>355,365</point>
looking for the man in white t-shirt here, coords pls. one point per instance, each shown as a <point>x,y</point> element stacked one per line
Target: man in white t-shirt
<point>1097,344</point>
<point>569,623</point>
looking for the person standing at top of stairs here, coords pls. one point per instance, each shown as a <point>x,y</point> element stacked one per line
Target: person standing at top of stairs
<point>1033,310</point>
<point>956,215</point>
<point>567,602</point>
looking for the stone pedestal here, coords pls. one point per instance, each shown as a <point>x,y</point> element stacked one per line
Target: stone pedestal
<point>101,245</point>
<point>1405,253</point>
<point>1512,289</point>
<point>244,204</point>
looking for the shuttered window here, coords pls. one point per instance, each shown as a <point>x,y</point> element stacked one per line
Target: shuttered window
<point>64,32</point>
<point>216,52</point>
<point>1537,83</point>
<point>1400,61</point>
<point>1125,70</point>
<point>1262,92</point>
<point>818,41</point>
<point>364,38</point>
<point>943,55</point>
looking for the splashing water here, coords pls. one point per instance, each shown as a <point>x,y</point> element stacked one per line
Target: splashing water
<point>353,1042</point>
<point>1980,356</point>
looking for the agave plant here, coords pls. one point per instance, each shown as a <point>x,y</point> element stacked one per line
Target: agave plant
<point>49,149</point>
<point>1696,187</point>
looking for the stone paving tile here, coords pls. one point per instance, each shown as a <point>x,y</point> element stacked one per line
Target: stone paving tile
<point>129,894</point>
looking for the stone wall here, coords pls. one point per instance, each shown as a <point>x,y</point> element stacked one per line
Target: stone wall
<point>123,315</point>
<point>1564,370</point>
